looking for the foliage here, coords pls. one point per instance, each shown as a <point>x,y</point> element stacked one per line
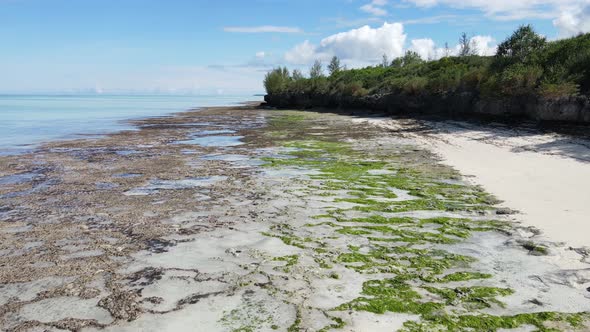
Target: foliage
<point>525,64</point>
<point>334,66</point>
<point>465,45</point>
<point>410,58</point>
<point>277,80</point>
<point>316,70</point>
<point>297,75</point>
<point>522,47</point>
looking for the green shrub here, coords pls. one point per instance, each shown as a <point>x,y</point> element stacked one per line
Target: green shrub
<point>520,79</point>
<point>554,91</point>
<point>415,85</point>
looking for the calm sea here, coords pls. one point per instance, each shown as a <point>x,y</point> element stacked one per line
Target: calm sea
<point>26,121</point>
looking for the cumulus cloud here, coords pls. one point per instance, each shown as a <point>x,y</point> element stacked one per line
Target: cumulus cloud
<point>425,48</point>
<point>484,45</point>
<point>364,44</point>
<point>428,50</point>
<point>263,29</point>
<point>573,20</point>
<point>375,8</point>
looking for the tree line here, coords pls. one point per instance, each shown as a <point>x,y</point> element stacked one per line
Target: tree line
<point>524,64</point>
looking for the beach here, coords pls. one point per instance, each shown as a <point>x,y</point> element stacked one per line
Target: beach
<point>544,176</point>
<point>252,219</point>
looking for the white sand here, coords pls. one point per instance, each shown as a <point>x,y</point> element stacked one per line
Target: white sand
<point>545,177</point>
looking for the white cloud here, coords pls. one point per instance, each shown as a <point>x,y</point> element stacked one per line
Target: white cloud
<point>369,8</point>
<point>263,29</point>
<point>570,17</point>
<point>573,20</point>
<point>484,45</point>
<point>260,55</point>
<point>303,53</point>
<point>375,8</point>
<point>427,49</point>
<point>365,45</point>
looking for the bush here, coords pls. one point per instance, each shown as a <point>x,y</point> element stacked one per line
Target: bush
<point>520,79</point>
<point>355,89</point>
<point>555,91</point>
<point>415,85</point>
<point>525,65</point>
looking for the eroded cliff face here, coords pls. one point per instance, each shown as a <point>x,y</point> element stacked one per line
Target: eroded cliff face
<point>571,109</point>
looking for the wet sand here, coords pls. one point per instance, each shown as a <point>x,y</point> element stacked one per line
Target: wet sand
<point>245,219</point>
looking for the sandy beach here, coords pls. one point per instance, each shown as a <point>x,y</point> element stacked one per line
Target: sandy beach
<point>545,176</point>
<point>250,219</point>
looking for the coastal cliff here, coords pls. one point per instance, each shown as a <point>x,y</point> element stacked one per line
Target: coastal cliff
<point>575,109</point>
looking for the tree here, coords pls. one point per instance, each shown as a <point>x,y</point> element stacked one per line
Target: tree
<point>521,45</point>
<point>465,45</point>
<point>447,50</point>
<point>316,70</point>
<point>385,61</point>
<point>297,75</point>
<point>334,66</point>
<point>277,80</point>
<point>409,58</point>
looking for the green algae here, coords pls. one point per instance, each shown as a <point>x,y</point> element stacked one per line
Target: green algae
<point>403,259</point>
<point>295,326</point>
<point>471,298</point>
<point>535,249</point>
<point>392,242</point>
<point>485,322</point>
<point>461,276</point>
<point>338,323</point>
<point>289,260</point>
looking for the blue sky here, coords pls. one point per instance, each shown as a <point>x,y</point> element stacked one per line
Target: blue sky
<point>181,46</point>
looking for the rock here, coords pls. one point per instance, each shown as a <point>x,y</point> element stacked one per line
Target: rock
<point>234,252</point>
<point>570,109</point>
<point>505,211</point>
<point>122,305</point>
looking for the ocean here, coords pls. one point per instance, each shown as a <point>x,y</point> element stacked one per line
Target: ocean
<point>28,120</point>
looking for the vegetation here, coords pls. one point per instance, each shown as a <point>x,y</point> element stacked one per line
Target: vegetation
<point>525,64</point>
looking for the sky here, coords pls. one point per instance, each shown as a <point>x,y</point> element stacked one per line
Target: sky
<point>226,46</point>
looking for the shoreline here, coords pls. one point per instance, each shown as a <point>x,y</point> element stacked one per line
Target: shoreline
<point>29,121</point>
<point>241,218</point>
<point>544,176</point>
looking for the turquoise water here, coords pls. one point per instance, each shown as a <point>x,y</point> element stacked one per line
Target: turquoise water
<point>26,121</point>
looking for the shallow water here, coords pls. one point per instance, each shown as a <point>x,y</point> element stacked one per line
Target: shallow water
<point>18,178</point>
<point>27,120</point>
<point>156,185</point>
<point>212,141</point>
